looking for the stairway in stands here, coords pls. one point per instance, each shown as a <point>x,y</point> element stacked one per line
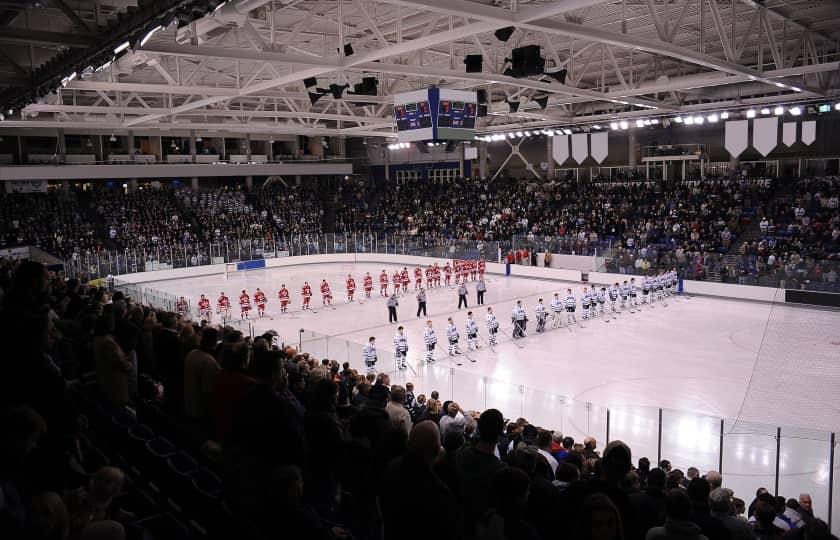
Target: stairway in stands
<point>327,197</point>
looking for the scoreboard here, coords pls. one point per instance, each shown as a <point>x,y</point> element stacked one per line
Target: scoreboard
<point>435,114</point>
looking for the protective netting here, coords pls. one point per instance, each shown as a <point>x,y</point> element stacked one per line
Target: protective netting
<point>796,377</point>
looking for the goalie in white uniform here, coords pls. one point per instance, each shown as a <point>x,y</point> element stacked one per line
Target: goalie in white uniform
<point>400,348</point>
<point>453,337</point>
<point>430,340</point>
<point>471,328</point>
<point>492,326</point>
<point>369,355</point>
<point>541,314</point>
<point>556,311</point>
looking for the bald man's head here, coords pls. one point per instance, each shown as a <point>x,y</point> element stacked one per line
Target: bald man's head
<point>424,441</point>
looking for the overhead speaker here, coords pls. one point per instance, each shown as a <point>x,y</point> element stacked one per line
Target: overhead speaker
<point>348,50</point>
<point>481,95</point>
<point>368,87</point>
<point>310,82</point>
<point>450,146</point>
<point>512,105</point>
<point>473,62</point>
<point>337,89</point>
<point>525,61</point>
<point>315,96</point>
<point>503,34</point>
<point>542,101</point>
<point>482,111</point>
<point>559,76</point>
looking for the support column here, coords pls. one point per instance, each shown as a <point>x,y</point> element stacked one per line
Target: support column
<point>482,160</point>
<point>461,160</point>
<point>132,185</point>
<point>194,183</point>
<point>683,170</point>
<point>549,157</point>
<point>130,145</point>
<point>249,183</point>
<point>193,147</point>
<point>248,146</point>
<point>387,164</point>
<point>269,149</point>
<point>98,148</point>
<point>65,187</point>
<point>631,147</point>
<point>62,145</point>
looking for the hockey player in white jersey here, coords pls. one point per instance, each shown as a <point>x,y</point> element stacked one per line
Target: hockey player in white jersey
<point>556,311</point>
<point>519,318</point>
<point>634,301</point>
<point>541,313</point>
<point>369,355</point>
<point>585,303</point>
<point>571,303</point>
<point>645,290</point>
<point>471,328</point>
<point>602,299</point>
<point>400,348</point>
<point>492,326</point>
<point>614,291</point>
<point>452,337</point>
<point>430,340</point>
<point>625,293</point>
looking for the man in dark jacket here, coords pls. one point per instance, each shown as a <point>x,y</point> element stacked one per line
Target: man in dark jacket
<point>678,524</point>
<point>415,469</point>
<point>698,492</point>
<point>649,503</point>
<point>720,502</point>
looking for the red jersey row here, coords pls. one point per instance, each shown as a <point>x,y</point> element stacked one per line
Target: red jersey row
<point>462,271</point>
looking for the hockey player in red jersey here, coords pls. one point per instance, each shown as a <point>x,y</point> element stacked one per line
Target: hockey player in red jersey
<point>351,287</point>
<point>430,277</point>
<point>482,266</point>
<point>204,311</point>
<point>244,305</point>
<point>396,279</point>
<point>474,270</point>
<point>383,284</point>
<point>259,300</point>
<point>326,295</point>
<point>368,284</point>
<point>404,279</point>
<point>447,273</point>
<point>182,307</point>
<point>418,278</point>
<point>306,293</point>
<point>437,275</point>
<point>283,296</point>
<point>223,306</point>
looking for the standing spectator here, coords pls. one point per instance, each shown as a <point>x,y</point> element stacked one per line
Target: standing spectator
<point>722,508</point>
<point>462,295</point>
<point>392,308</point>
<point>398,415</point>
<point>112,365</point>
<point>229,386</point>
<point>547,259</point>
<point>477,464</point>
<point>414,470</point>
<point>452,421</point>
<point>200,368</point>
<point>480,289</point>
<point>421,302</point>
<point>678,524</point>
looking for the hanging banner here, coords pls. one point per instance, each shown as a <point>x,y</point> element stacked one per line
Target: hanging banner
<point>598,141</point>
<point>560,148</point>
<point>580,150</point>
<point>809,132</point>
<point>735,141</point>
<point>26,186</point>
<point>789,133</point>
<point>765,134</point>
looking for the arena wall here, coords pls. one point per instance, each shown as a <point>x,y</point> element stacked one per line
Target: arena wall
<point>707,288</point>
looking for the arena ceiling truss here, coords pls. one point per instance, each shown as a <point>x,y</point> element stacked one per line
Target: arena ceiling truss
<point>244,67</point>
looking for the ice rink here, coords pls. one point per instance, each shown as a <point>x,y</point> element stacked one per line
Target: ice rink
<point>700,360</point>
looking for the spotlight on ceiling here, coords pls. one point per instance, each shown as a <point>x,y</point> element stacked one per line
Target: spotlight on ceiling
<point>796,111</point>
<point>779,111</point>
<point>751,113</point>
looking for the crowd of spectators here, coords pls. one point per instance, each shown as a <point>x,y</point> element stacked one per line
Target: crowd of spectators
<point>297,447</point>
<point>52,222</point>
<point>639,226</point>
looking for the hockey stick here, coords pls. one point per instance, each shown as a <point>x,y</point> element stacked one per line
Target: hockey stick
<point>456,362</point>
